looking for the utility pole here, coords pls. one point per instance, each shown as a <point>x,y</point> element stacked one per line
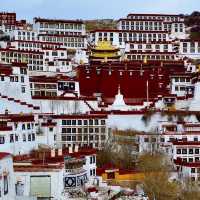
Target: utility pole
<point>147,94</point>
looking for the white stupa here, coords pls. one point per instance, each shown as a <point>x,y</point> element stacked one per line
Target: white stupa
<point>119,103</point>
<point>195,103</point>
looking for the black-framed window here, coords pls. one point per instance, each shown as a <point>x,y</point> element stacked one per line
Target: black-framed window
<point>79,122</point>
<point>33,137</point>
<point>184,151</point>
<point>191,151</point>
<point>11,138</point>
<point>96,122</point>
<point>192,170</point>
<point>178,151</point>
<point>64,122</point>
<point>69,122</point>
<point>196,151</point>
<point>90,122</point>
<point>73,130</point>
<point>29,137</point>
<point>103,122</point>
<point>24,138</point>
<point>64,130</point>
<point>2,139</point>
<point>73,122</point>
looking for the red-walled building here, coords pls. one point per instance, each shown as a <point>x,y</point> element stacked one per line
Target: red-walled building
<point>103,79</point>
<point>7,18</point>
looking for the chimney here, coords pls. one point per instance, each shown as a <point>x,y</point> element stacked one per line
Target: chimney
<point>70,150</point>
<point>6,111</point>
<point>59,152</point>
<point>76,148</point>
<point>53,153</point>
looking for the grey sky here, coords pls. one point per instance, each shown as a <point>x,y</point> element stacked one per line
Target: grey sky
<point>92,9</point>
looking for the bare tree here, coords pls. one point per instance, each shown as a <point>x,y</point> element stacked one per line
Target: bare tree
<point>156,181</point>
<point>190,190</point>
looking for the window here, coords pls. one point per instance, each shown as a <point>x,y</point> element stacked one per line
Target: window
<point>2,140</point>
<point>50,129</point>
<point>94,159</point>
<point>96,130</point>
<point>90,130</point>
<point>64,122</point>
<point>79,130</point>
<point>85,130</point>
<point>73,130</point>
<point>54,53</point>
<point>103,130</point>
<point>196,159</point>
<point>146,139</point>
<point>196,151</point>
<point>24,138</point>
<point>22,79</point>
<point>184,159</point>
<point>69,130</point>
<point>69,122</point>
<point>103,137</point>
<point>73,138</point>
<point>73,122</point>
<point>5,180</point>
<point>11,138</point>
<point>28,126</point>
<point>192,170</point>
<point>85,138</point>
<point>68,138</point>
<point>79,122</point>
<point>103,122</point>
<point>16,138</point>
<point>162,139</point>
<point>23,89</point>
<point>176,79</point>
<point>91,159</point>
<point>64,130</point>
<point>190,151</point>
<point>29,137</point>
<point>190,159</point>
<point>178,151</point>
<point>64,138</point>
<point>153,139</point>
<point>33,137</point>
<point>90,122</point>
<point>23,127</point>
<point>184,151</point>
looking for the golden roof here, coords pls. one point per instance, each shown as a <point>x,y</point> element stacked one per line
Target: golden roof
<point>105,45</point>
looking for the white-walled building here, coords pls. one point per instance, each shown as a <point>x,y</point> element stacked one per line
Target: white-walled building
<point>84,130</point>
<point>18,134</point>
<point>189,48</point>
<point>71,33</point>
<point>60,175</point>
<point>15,94</point>
<point>154,22</point>
<point>23,35</point>
<point>181,84</point>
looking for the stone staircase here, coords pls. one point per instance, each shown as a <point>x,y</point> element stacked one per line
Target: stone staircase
<point>16,105</point>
